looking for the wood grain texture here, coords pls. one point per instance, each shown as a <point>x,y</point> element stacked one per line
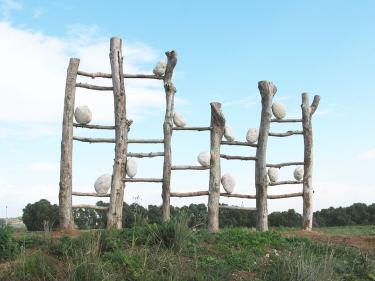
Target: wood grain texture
<point>191,128</point>
<point>145,154</point>
<point>284,182</point>
<point>89,194</point>
<point>94,75</point>
<point>286,134</point>
<point>239,143</point>
<point>189,167</point>
<point>90,126</point>
<point>94,87</point>
<point>235,157</point>
<point>279,165</point>
<point>85,206</point>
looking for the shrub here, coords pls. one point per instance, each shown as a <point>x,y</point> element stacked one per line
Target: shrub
<point>8,247</point>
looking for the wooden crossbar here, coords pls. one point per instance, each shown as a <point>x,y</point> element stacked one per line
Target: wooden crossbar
<point>108,75</point>
<point>275,120</point>
<point>286,134</point>
<point>144,155</point>
<point>92,194</point>
<point>187,167</point>
<point>284,182</point>
<point>244,143</point>
<point>235,157</point>
<point>284,164</point>
<point>89,126</point>
<point>84,206</point>
<point>237,208</point>
<point>94,140</point>
<point>192,128</point>
<point>94,87</point>
<point>142,180</point>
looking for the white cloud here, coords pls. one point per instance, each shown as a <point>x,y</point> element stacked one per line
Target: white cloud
<point>7,7</point>
<point>368,155</point>
<point>43,167</point>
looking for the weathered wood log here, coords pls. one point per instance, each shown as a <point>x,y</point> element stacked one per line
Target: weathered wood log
<point>284,164</point>
<point>145,155</point>
<point>217,133</point>
<point>243,143</point>
<point>235,157</point>
<point>285,120</point>
<point>89,126</point>
<point>307,112</point>
<point>170,91</point>
<point>267,91</point>
<point>84,206</point>
<point>289,195</point>
<point>145,141</point>
<point>188,167</point>
<point>90,194</point>
<point>121,135</point>
<point>142,180</point>
<point>192,128</point>
<point>284,182</point>
<point>94,140</point>
<point>286,134</point>
<point>237,208</point>
<point>94,87</point>
<point>108,75</point>
<point>235,195</point>
<point>189,194</point>
<point>65,193</point>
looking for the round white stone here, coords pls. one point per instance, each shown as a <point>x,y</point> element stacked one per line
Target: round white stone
<point>278,110</point>
<point>298,173</point>
<point>159,68</point>
<point>103,184</point>
<point>273,174</point>
<point>131,167</point>
<point>179,120</point>
<point>228,133</point>
<point>228,182</point>
<point>252,135</point>
<point>82,114</point>
<point>204,158</point>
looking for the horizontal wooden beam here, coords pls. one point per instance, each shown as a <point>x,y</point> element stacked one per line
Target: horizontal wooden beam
<point>142,180</point>
<point>286,120</point>
<point>244,143</point>
<point>280,196</point>
<point>144,155</point>
<point>285,164</point>
<point>189,194</point>
<point>286,134</point>
<point>192,128</point>
<point>235,157</point>
<point>84,206</point>
<point>235,195</point>
<point>284,182</point>
<point>108,75</point>
<point>94,140</point>
<point>145,141</point>
<point>237,208</point>
<point>92,194</point>
<point>89,126</point>
<point>187,167</point>
<point>94,87</point>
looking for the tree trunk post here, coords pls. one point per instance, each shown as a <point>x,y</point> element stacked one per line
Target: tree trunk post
<point>121,135</point>
<point>65,194</point>
<point>307,112</point>
<point>170,91</point>
<point>267,91</point>
<point>217,132</point>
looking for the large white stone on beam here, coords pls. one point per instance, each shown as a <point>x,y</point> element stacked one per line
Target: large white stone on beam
<point>103,184</point>
<point>273,174</point>
<point>204,158</point>
<point>179,120</point>
<point>228,133</point>
<point>228,182</point>
<point>252,135</point>
<point>278,110</point>
<point>131,167</point>
<point>159,69</point>
<point>82,114</point>
<point>298,173</point>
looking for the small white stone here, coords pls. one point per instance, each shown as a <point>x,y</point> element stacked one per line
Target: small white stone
<point>131,167</point>
<point>204,158</point>
<point>298,173</point>
<point>252,135</point>
<point>179,120</point>
<point>278,110</point>
<point>103,184</point>
<point>273,174</point>
<point>159,68</point>
<point>82,114</point>
<point>228,133</point>
<point>228,182</point>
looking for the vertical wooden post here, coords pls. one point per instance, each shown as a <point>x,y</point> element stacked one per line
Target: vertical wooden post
<point>65,194</point>
<point>307,112</point>
<point>267,91</point>
<point>217,132</point>
<point>170,91</point>
<point>121,135</point>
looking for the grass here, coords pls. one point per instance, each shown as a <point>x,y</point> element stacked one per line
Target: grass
<point>176,252</point>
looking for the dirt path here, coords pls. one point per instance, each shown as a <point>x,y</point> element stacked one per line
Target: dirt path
<point>363,242</point>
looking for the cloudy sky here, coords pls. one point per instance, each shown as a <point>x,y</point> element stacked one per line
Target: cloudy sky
<point>319,47</point>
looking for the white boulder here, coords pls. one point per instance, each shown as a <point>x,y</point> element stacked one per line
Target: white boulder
<point>131,167</point>
<point>82,114</point>
<point>298,173</point>
<point>228,182</point>
<point>228,133</point>
<point>252,135</point>
<point>204,158</point>
<point>273,174</point>
<point>179,120</point>
<point>159,68</point>
<point>103,184</point>
<point>278,110</point>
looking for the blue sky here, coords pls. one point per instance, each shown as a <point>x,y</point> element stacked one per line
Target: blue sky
<point>224,49</point>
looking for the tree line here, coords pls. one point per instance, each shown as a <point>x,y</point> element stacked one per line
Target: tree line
<point>42,215</point>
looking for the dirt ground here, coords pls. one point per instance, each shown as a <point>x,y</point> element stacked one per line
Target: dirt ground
<point>363,242</point>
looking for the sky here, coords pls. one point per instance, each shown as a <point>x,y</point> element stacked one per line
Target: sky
<point>224,49</point>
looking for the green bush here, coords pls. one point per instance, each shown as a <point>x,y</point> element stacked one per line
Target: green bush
<point>8,247</point>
